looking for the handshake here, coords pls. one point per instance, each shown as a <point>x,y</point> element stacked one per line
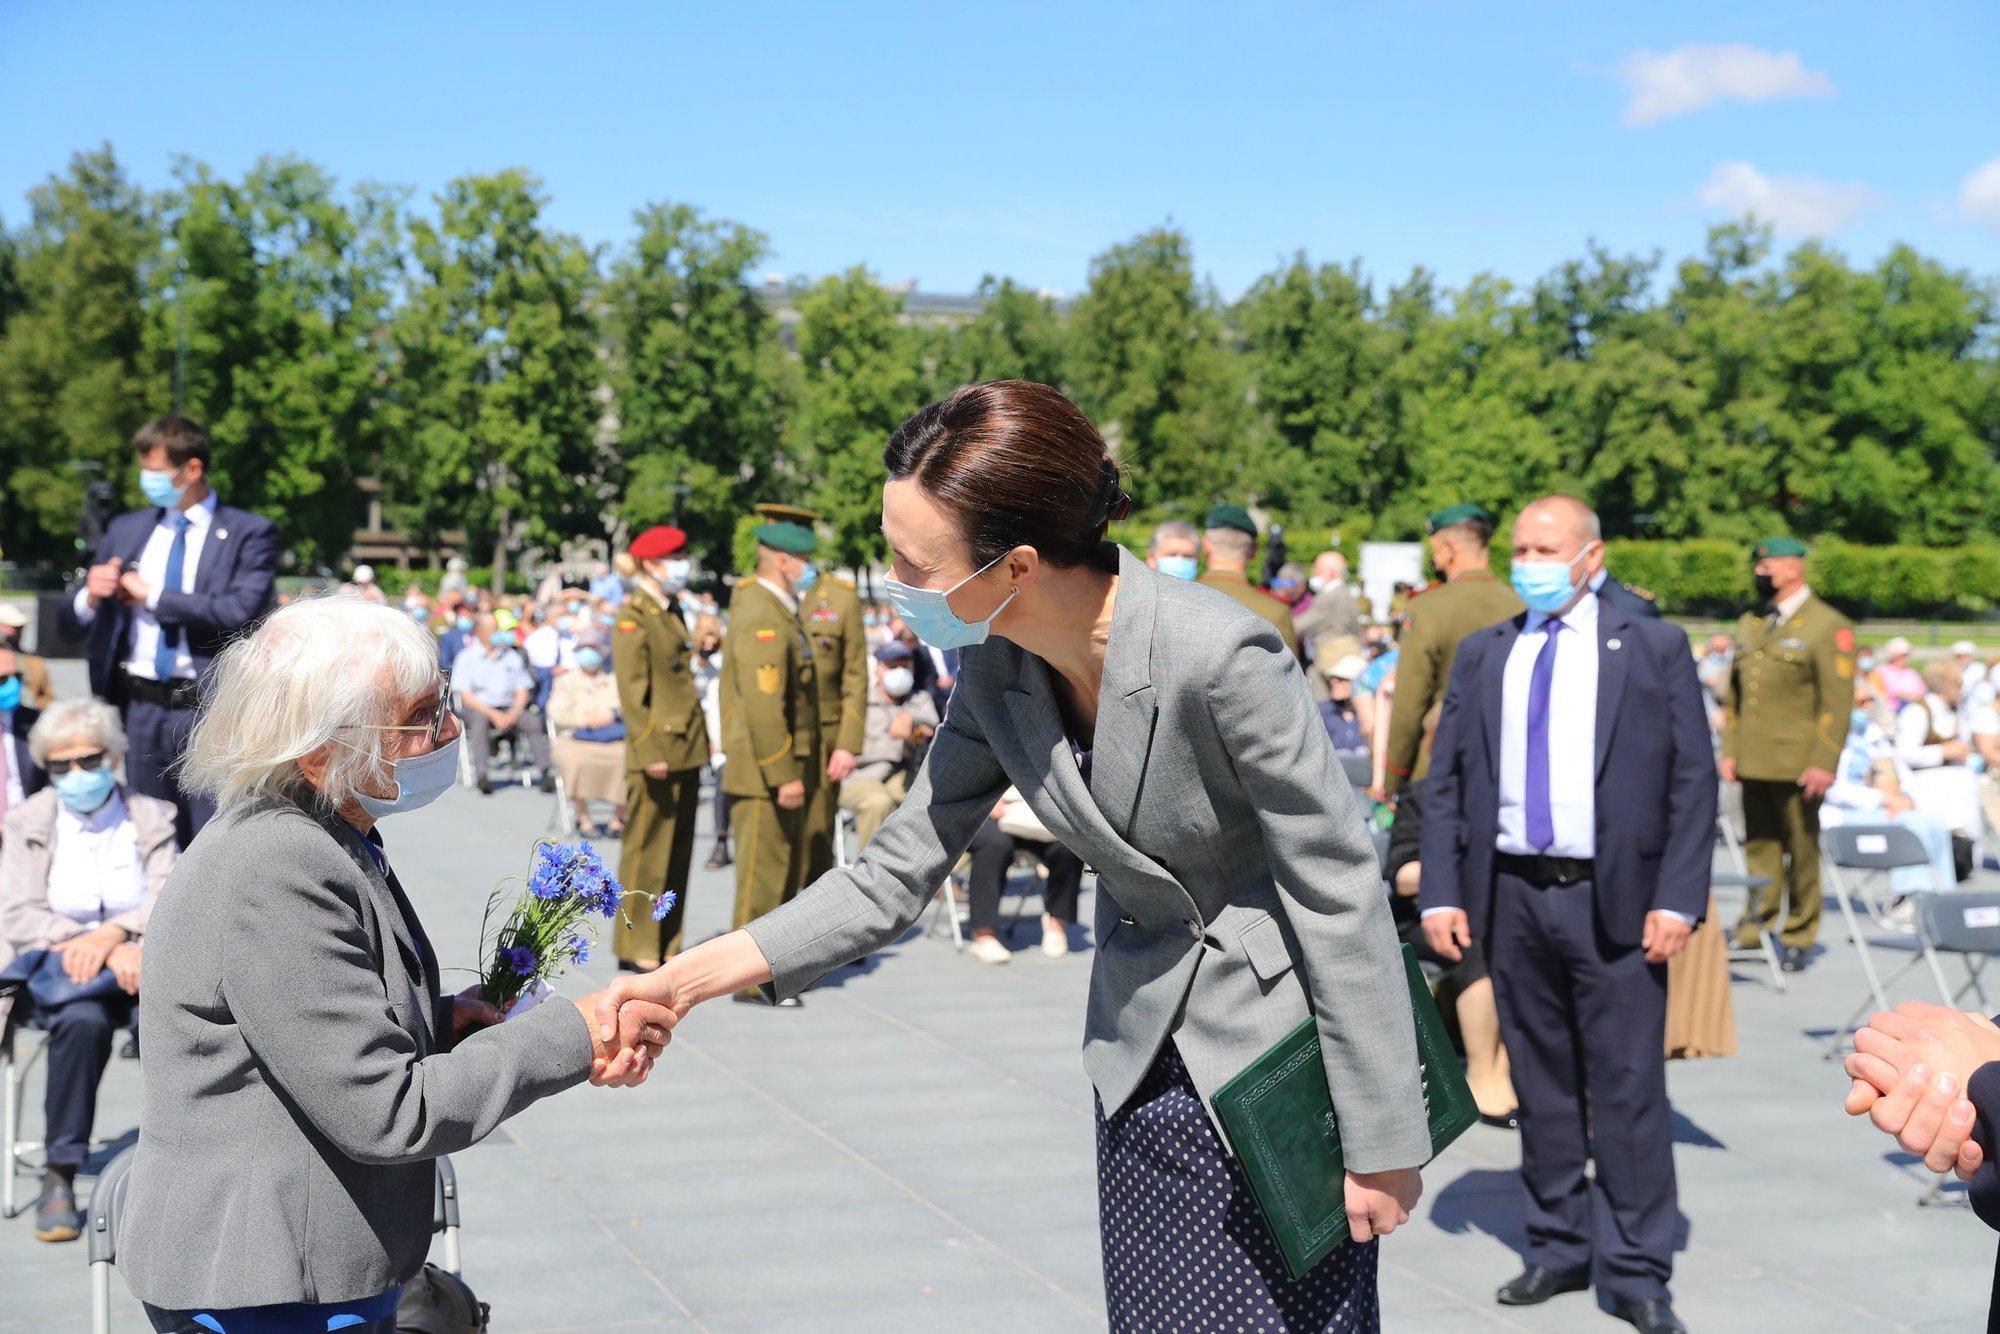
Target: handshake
<point>632,1020</point>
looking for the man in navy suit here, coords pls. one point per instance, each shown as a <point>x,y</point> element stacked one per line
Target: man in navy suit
<point>168,587</point>
<point>1568,826</point>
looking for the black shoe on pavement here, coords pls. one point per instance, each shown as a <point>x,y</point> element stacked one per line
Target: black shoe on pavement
<point>548,780</point>
<point>485,786</point>
<point>130,1051</point>
<point>1793,960</point>
<point>1655,1315</point>
<point>56,1216</point>
<point>1536,1285</point>
<point>719,857</point>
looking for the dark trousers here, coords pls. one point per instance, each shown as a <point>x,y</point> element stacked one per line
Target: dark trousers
<point>480,735</point>
<point>722,801</point>
<point>79,1049</point>
<point>1584,1021</point>
<point>157,737</point>
<point>993,850</point>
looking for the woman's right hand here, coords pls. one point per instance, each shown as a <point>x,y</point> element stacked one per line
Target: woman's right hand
<point>1380,1202</point>
<point>624,1047</point>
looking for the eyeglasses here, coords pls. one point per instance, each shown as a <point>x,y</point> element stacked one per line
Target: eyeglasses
<point>90,763</point>
<point>432,719</point>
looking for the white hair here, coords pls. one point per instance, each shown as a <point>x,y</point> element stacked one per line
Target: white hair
<point>89,722</point>
<point>1173,530</point>
<point>322,672</point>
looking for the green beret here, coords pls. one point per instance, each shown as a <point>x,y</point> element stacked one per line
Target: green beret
<point>1232,516</point>
<point>1778,546</point>
<point>786,537</point>
<point>1454,514</point>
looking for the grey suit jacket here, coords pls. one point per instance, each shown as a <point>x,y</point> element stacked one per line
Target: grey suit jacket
<point>1238,891</point>
<point>296,1084</point>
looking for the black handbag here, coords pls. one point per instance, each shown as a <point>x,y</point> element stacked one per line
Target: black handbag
<point>438,1301</point>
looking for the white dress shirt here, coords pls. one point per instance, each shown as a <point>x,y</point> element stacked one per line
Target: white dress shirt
<point>153,569</point>
<point>1572,735</point>
<point>94,869</point>
<point>17,791</point>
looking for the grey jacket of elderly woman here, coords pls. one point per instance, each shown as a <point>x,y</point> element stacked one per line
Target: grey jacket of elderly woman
<point>27,922</point>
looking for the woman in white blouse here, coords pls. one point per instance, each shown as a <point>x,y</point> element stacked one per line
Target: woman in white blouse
<point>80,867</point>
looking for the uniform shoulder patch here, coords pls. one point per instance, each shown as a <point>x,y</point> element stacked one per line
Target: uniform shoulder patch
<point>1843,639</point>
<point>766,636</point>
<point>1637,591</point>
<point>770,678</point>
<point>627,626</point>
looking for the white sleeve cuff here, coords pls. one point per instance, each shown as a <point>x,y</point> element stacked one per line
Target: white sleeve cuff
<point>153,599</point>
<point>1433,912</point>
<point>1681,917</point>
<point>81,604</point>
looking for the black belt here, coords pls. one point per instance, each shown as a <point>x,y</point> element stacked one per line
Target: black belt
<point>175,694</point>
<point>1542,869</point>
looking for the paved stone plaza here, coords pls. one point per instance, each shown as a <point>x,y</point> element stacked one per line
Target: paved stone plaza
<point>913,1151</point>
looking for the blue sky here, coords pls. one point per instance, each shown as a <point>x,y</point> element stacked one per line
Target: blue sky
<point>940,142</point>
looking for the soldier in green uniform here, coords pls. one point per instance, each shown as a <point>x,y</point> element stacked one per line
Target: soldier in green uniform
<point>830,612</point>
<point>666,745</point>
<point>1784,719</point>
<point>769,694</point>
<point>1229,541</point>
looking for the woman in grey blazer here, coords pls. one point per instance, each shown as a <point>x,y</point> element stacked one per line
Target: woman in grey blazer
<point>1167,736</point>
<point>302,1069</point>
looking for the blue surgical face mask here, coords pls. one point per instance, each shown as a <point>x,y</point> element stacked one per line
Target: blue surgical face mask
<point>1546,585</point>
<point>929,615</point>
<point>420,780</point>
<point>607,620</point>
<point>463,622</point>
<point>84,790</point>
<point>159,488</point>
<point>503,639</point>
<point>589,659</point>
<point>421,615</point>
<point>1180,567</point>
<point>1859,720</point>
<point>10,694</point>
<point>807,578</point>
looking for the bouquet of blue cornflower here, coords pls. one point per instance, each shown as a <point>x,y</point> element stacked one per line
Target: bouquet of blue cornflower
<point>549,926</point>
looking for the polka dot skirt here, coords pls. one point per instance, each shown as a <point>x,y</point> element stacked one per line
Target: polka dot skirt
<point>1184,1245</point>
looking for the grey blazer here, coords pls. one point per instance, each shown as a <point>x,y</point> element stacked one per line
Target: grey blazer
<point>1238,891</point>
<point>296,1082</point>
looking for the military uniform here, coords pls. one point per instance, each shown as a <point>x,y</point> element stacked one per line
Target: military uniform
<point>769,692</point>
<point>651,659</point>
<point>1785,709</point>
<point>1238,586</point>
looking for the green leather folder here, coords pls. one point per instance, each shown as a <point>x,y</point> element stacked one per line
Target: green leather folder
<point>1279,1118</point>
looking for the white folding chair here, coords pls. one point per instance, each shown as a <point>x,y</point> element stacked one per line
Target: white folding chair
<point>1766,948</point>
<point>564,819</point>
<point>14,1071</point>
<point>1852,857</point>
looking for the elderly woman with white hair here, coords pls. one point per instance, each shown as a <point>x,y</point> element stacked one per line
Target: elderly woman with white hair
<point>81,864</point>
<point>302,1068</point>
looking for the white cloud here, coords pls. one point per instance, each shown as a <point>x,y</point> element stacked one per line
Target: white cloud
<point>1979,197</point>
<point>1793,205</point>
<point>1688,78</point>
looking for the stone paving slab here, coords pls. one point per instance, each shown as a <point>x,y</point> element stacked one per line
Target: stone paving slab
<point>913,1150</point>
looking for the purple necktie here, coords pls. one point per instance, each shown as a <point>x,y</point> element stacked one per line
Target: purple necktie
<point>1541,825</point>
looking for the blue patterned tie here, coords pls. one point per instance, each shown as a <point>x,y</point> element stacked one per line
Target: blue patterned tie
<point>166,649</point>
<point>1541,824</point>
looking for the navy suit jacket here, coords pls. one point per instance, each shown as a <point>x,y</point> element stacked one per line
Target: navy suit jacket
<point>1618,595</point>
<point>33,777</point>
<point>233,587</point>
<point>1656,784</point>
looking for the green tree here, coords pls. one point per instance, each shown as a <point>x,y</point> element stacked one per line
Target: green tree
<point>266,312</point>
<point>698,373</point>
<point>1017,335</point>
<point>1151,367</point>
<point>494,422</point>
<point>859,379</point>
<point>73,378</point>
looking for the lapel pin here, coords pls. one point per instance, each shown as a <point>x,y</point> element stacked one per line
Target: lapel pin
<point>1614,643</point>
<point>222,534</point>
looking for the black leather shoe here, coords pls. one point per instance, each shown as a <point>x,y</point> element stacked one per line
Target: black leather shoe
<point>1654,1315</point>
<point>1502,1121</point>
<point>485,786</point>
<point>1793,960</point>
<point>718,856</point>
<point>1536,1285</point>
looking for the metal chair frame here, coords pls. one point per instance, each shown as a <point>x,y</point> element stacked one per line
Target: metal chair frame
<point>14,1072</point>
<point>1923,951</point>
<point>1766,949</point>
<point>564,819</point>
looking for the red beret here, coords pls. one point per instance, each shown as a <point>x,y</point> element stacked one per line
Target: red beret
<point>658,543</point>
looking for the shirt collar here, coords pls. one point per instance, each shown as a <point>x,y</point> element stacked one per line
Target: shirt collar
<point>791,604</point>
<point>199,515</point>
<point>1581,617</point>
<point>1788,606</point>
<point>111,813</point>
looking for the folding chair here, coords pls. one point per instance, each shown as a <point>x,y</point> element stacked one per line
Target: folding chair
<point>1766,948</point>
<point>1359,770</point>
<point>844,830</point>
<point>14,1071</point>
<point>444,1212</point>
<point>564,819</point>
<point>1875,849</point>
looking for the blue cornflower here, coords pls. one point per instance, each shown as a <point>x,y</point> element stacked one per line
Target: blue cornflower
<point>664,905</point>
<point>518,960</point>
<point>579,948</point>
<point>551,875</point>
